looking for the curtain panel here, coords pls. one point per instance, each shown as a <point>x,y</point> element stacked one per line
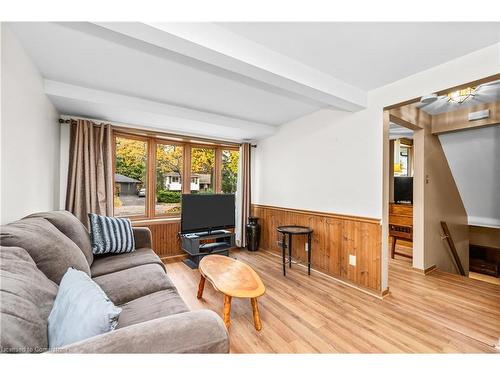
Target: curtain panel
<point>90,174</point>
<point>243,194</point>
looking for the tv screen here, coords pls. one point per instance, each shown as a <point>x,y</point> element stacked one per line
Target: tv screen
<point>403,190</point>
<point>205,212</point>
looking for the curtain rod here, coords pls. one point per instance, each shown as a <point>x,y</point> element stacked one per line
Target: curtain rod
<point>126,129</point>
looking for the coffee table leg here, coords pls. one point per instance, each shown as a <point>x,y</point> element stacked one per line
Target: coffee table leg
<point>227,310</point>
<point>201,286</point>
<point>290,250</point>
<point>256,314</point>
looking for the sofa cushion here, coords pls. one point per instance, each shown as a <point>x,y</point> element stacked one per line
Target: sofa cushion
<point>72,228</point>
<point>142,237</point>
<point>51,250</point>
<point>27,297</point>
<point>81,310</point>
<point>155,305</point>
<point>111,234</point>
<point>127,285</point>
<point>104,264</point>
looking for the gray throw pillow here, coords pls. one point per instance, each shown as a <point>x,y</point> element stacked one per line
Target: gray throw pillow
<point>81,310</point>
<point>26,298</point>
<point>111,235</point>
<point>72,228</point>
<point>51,250</point>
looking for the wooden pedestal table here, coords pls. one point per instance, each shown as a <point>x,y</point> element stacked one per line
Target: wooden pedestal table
<point>234,279</point>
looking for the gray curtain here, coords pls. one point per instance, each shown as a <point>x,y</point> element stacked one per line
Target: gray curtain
<point>243,194</point>
<point>90,173</point>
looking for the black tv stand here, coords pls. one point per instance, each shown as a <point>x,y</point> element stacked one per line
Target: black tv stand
<point>198,245</point>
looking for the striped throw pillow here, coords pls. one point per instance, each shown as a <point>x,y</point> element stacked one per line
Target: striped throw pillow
<point>111,235</point>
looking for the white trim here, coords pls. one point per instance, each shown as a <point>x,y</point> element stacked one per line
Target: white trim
<point>484,222</point>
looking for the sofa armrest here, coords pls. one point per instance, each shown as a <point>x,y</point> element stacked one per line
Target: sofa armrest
<point>200,331</point>
<point>142,237</point>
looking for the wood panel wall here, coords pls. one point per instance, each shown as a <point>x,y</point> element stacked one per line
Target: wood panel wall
<point>442,202</point>
<point>335,237</point>
<point>164,235</point>
<point>459,119</point>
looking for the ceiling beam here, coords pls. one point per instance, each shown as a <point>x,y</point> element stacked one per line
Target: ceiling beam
<point>207,43</point>
<point>407,116</point>
<point>459,119</point>
<point>157,114</point>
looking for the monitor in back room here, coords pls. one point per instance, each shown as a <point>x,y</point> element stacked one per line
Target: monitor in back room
<point>403,190</point>
<point>205,212</point>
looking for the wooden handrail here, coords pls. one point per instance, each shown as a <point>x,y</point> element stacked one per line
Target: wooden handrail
<point>453,249</point>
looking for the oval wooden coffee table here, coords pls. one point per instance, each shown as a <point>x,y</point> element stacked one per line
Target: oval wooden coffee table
<point>234,279</point>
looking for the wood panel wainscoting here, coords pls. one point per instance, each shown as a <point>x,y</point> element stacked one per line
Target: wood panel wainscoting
<point>335,237</point>
<point>164,235</point>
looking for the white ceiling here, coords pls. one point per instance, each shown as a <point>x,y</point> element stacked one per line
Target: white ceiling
<point>231,81</point>
<point>101,62</point>
<point>474,159</point>
<point>397,131</point>
<point>370,54</point>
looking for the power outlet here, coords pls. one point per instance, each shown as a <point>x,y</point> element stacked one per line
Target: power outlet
<point>352,260</point>
<point>306,246</point>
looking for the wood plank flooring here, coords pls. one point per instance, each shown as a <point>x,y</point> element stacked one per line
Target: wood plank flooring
<point>439,312</point>
<point>485,278</point>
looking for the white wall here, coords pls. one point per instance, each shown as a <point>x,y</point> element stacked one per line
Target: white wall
<point>322,162</point>
<point>29,136</point>
<point>474,159</point>
<point>331,161</point>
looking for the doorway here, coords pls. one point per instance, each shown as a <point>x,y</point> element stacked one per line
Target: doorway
<point>401,172</point>
<point>448,162</point>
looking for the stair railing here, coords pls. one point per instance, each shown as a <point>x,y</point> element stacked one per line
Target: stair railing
<point>453,249</point>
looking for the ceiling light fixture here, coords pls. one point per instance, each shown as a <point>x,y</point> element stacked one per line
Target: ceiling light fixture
<point>461,96</point>
<point>428,99</point>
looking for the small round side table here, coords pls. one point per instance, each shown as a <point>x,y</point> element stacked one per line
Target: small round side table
<point>290,231</point>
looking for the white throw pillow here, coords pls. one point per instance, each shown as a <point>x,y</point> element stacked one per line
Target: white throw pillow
<point>81,310</point>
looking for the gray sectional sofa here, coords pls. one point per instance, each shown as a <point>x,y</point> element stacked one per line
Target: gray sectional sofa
<point>36,252</point>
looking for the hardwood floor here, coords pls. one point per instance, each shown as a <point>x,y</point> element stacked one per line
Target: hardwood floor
<point>439,312</point>
<point>485,278</point>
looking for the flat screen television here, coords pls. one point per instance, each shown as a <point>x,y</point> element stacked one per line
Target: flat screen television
<point>207,212</point>
<point>403,190</point>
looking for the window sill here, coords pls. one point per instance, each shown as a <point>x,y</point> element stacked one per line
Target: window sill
<point>161,220</point>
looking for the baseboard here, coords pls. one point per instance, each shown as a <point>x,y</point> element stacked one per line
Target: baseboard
<point>341,280</point>
<point>174,258</point>
<point>425,271</point>
<point>385,293</point>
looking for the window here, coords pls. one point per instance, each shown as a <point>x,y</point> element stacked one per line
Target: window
<point>401,169</point>
<point>202,168</point>
<point>402,157</point>
<point>230,160</point>
<point>169,162</point>
<point>150,174</point>
<point>130,176</point>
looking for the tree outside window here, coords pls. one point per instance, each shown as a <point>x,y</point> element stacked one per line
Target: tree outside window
<point>130,177</point>
<point>230,160</point>
<point>169,167</point>
<point>202,167</point>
